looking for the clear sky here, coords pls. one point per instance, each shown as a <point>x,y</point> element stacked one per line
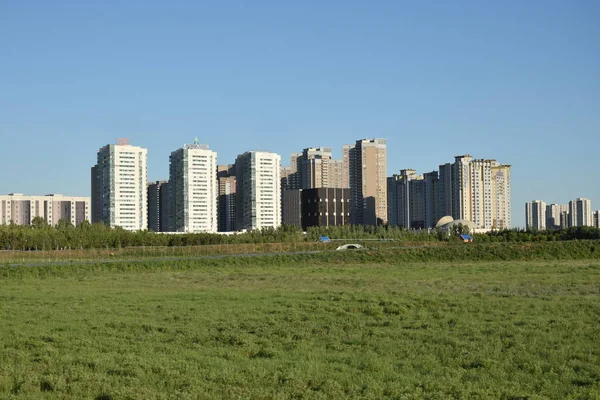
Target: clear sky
<point>518,81</point>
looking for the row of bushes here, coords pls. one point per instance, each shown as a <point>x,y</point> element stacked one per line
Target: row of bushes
<point>98,236</point>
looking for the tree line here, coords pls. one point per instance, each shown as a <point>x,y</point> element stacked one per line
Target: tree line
<point>40,236</point>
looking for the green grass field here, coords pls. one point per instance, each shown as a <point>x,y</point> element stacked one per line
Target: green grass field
<point>294,327</point>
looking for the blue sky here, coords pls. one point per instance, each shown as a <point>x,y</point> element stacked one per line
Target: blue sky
<point>515,81</point>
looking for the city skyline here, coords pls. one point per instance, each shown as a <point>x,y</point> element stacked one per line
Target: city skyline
<point>513,81</point>
<point>124,159</point>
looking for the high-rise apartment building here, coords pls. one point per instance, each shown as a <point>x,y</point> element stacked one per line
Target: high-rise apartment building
<point>19,209</point>
<point>433,208</point>
<point>501,212</point>
<point>481,193</point>
<point>408,199</point>
<point>580,212</point>
<point>557,216</point>
<point>346,165</point>
<point>193,188</point>
<point>597,219</point>
<point>399,197</point>
<point>158,206</point>
<point>227,197</point>
<point>535,215</point>
<point>462,195</point>
<point>335,177</point>
<point>258,193</point>
<point>290,175</point>
<point>119,192</point>
<point>368,183</point>
<point>316,169</point>
<point>445,190</point>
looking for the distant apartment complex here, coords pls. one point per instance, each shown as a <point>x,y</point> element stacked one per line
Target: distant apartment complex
<point>119,186</point>
<point>258,190</point>
<point>535,215</point>
<point>362,169</point>
<point>473,190</point>
<point>597,219</point>
<point>158,206</point>
<point>578,212</point>
<point>19,209</point>
<point>193,189</point>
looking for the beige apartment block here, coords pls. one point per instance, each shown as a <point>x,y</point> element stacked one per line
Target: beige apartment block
<point>501,211</point>
<point>346,165</point>
<point>319,170</point>
<point>119,186</point>
<point>481,192</point>
<point>335,177</point>
<point>290,175</point>
<point>368,182</point>
<point>462,194</point>
<point>21,210</point>
<point>314,171</point>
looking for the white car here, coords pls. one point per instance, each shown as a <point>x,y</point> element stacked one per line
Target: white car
<point>349,247</point>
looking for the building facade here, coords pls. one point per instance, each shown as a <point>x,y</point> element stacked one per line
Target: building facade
<point>433,208</point>
<point>291,208</point>
<point>193,188</point>
<point>158,206</point>
<point>325,207</point>
<point>580,212</point>
<point>19,209</point>
<point>399,197</point>
<point>501,211</point>
<point>258,194</point>
<point>227,197</point>
<point>368,182</point>
<point>410,200</point>
<point>119,186</point>
<point>597,219</point>
<point>557,216</point>
<point>535,215</point>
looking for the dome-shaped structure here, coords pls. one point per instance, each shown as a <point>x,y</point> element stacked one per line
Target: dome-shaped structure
<point>455,222</point>
<point>443,221</point>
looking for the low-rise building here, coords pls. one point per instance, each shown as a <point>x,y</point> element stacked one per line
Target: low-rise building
<point>19,209</point>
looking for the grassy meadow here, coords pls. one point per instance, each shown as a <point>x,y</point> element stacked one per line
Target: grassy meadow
<point>329,326</point>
